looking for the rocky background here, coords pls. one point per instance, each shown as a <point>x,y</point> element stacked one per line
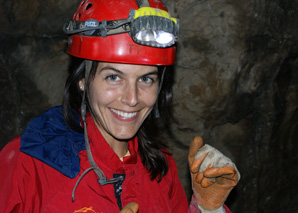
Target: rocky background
<point>236,85</point>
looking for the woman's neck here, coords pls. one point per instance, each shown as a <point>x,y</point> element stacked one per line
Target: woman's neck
<point>120,147</point>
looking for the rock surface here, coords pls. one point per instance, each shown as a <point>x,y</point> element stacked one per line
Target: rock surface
<point>236,85</point>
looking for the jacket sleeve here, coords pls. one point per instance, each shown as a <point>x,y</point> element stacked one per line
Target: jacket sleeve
<point>15,179</point>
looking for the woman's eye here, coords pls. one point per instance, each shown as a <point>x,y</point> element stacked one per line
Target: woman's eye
<point>146,79</point>
<point>113,77</point>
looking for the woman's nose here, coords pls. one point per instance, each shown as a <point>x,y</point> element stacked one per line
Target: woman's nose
<point>130,95</point>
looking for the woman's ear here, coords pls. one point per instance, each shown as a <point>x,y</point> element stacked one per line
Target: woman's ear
<point>82,84</point>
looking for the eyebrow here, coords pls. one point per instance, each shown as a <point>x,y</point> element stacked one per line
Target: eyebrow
<point>111,68</point>
<point>154,72</point>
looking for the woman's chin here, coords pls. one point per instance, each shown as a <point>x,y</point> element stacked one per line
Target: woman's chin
<point>125,137</point>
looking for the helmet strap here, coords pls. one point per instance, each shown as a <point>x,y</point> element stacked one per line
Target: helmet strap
<point>143,3</point>
<point>102,179</point>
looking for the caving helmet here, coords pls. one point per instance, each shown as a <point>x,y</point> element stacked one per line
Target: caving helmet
<point>123,31</point>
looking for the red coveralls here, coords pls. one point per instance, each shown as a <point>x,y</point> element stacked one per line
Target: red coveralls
<point>30,185</point>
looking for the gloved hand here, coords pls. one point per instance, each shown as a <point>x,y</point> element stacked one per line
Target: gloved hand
<point>130,208</point>
<point>213,175</point>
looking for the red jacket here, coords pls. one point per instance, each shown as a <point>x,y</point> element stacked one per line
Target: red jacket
<point>30,185</point>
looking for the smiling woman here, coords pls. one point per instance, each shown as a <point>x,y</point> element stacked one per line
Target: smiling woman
<point>102,150</point>
<point>121,96</point>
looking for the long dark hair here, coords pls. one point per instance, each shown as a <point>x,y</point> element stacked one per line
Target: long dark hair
<point>152,146</point>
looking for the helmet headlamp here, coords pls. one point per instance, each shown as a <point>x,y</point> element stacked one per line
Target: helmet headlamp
<point>147,26</point>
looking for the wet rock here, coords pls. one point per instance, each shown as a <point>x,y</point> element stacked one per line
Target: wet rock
<point>235,85</point>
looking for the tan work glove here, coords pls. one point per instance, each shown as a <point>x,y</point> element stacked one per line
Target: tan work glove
<point>130,208</point>
<point>213,175</point>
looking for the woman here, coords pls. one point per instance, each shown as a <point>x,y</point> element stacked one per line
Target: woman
<point>101,150</point>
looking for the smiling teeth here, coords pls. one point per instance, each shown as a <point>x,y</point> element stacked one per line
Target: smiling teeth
<point>124,114</point>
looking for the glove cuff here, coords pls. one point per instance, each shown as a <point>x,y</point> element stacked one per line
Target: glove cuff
<point>219,210</point>
<point>194,206</point>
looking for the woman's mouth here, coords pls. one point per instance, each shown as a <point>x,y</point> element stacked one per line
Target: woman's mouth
<point>125,115</point>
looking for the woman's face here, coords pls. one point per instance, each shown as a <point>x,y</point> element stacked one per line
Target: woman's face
<point>122,96</point>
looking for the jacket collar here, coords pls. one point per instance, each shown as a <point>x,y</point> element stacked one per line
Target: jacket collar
<point>48,139</point>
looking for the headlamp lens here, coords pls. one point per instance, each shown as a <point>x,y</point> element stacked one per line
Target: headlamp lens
<point>165,37</point>
<point>146,35</point>
<point>160,37</point>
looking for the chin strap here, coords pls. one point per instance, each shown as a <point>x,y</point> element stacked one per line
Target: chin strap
<point>102,179</point>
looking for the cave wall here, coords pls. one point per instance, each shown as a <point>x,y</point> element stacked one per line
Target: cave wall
<point>235,85</point>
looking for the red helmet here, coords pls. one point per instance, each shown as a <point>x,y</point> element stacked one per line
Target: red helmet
<point>119,47</point>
